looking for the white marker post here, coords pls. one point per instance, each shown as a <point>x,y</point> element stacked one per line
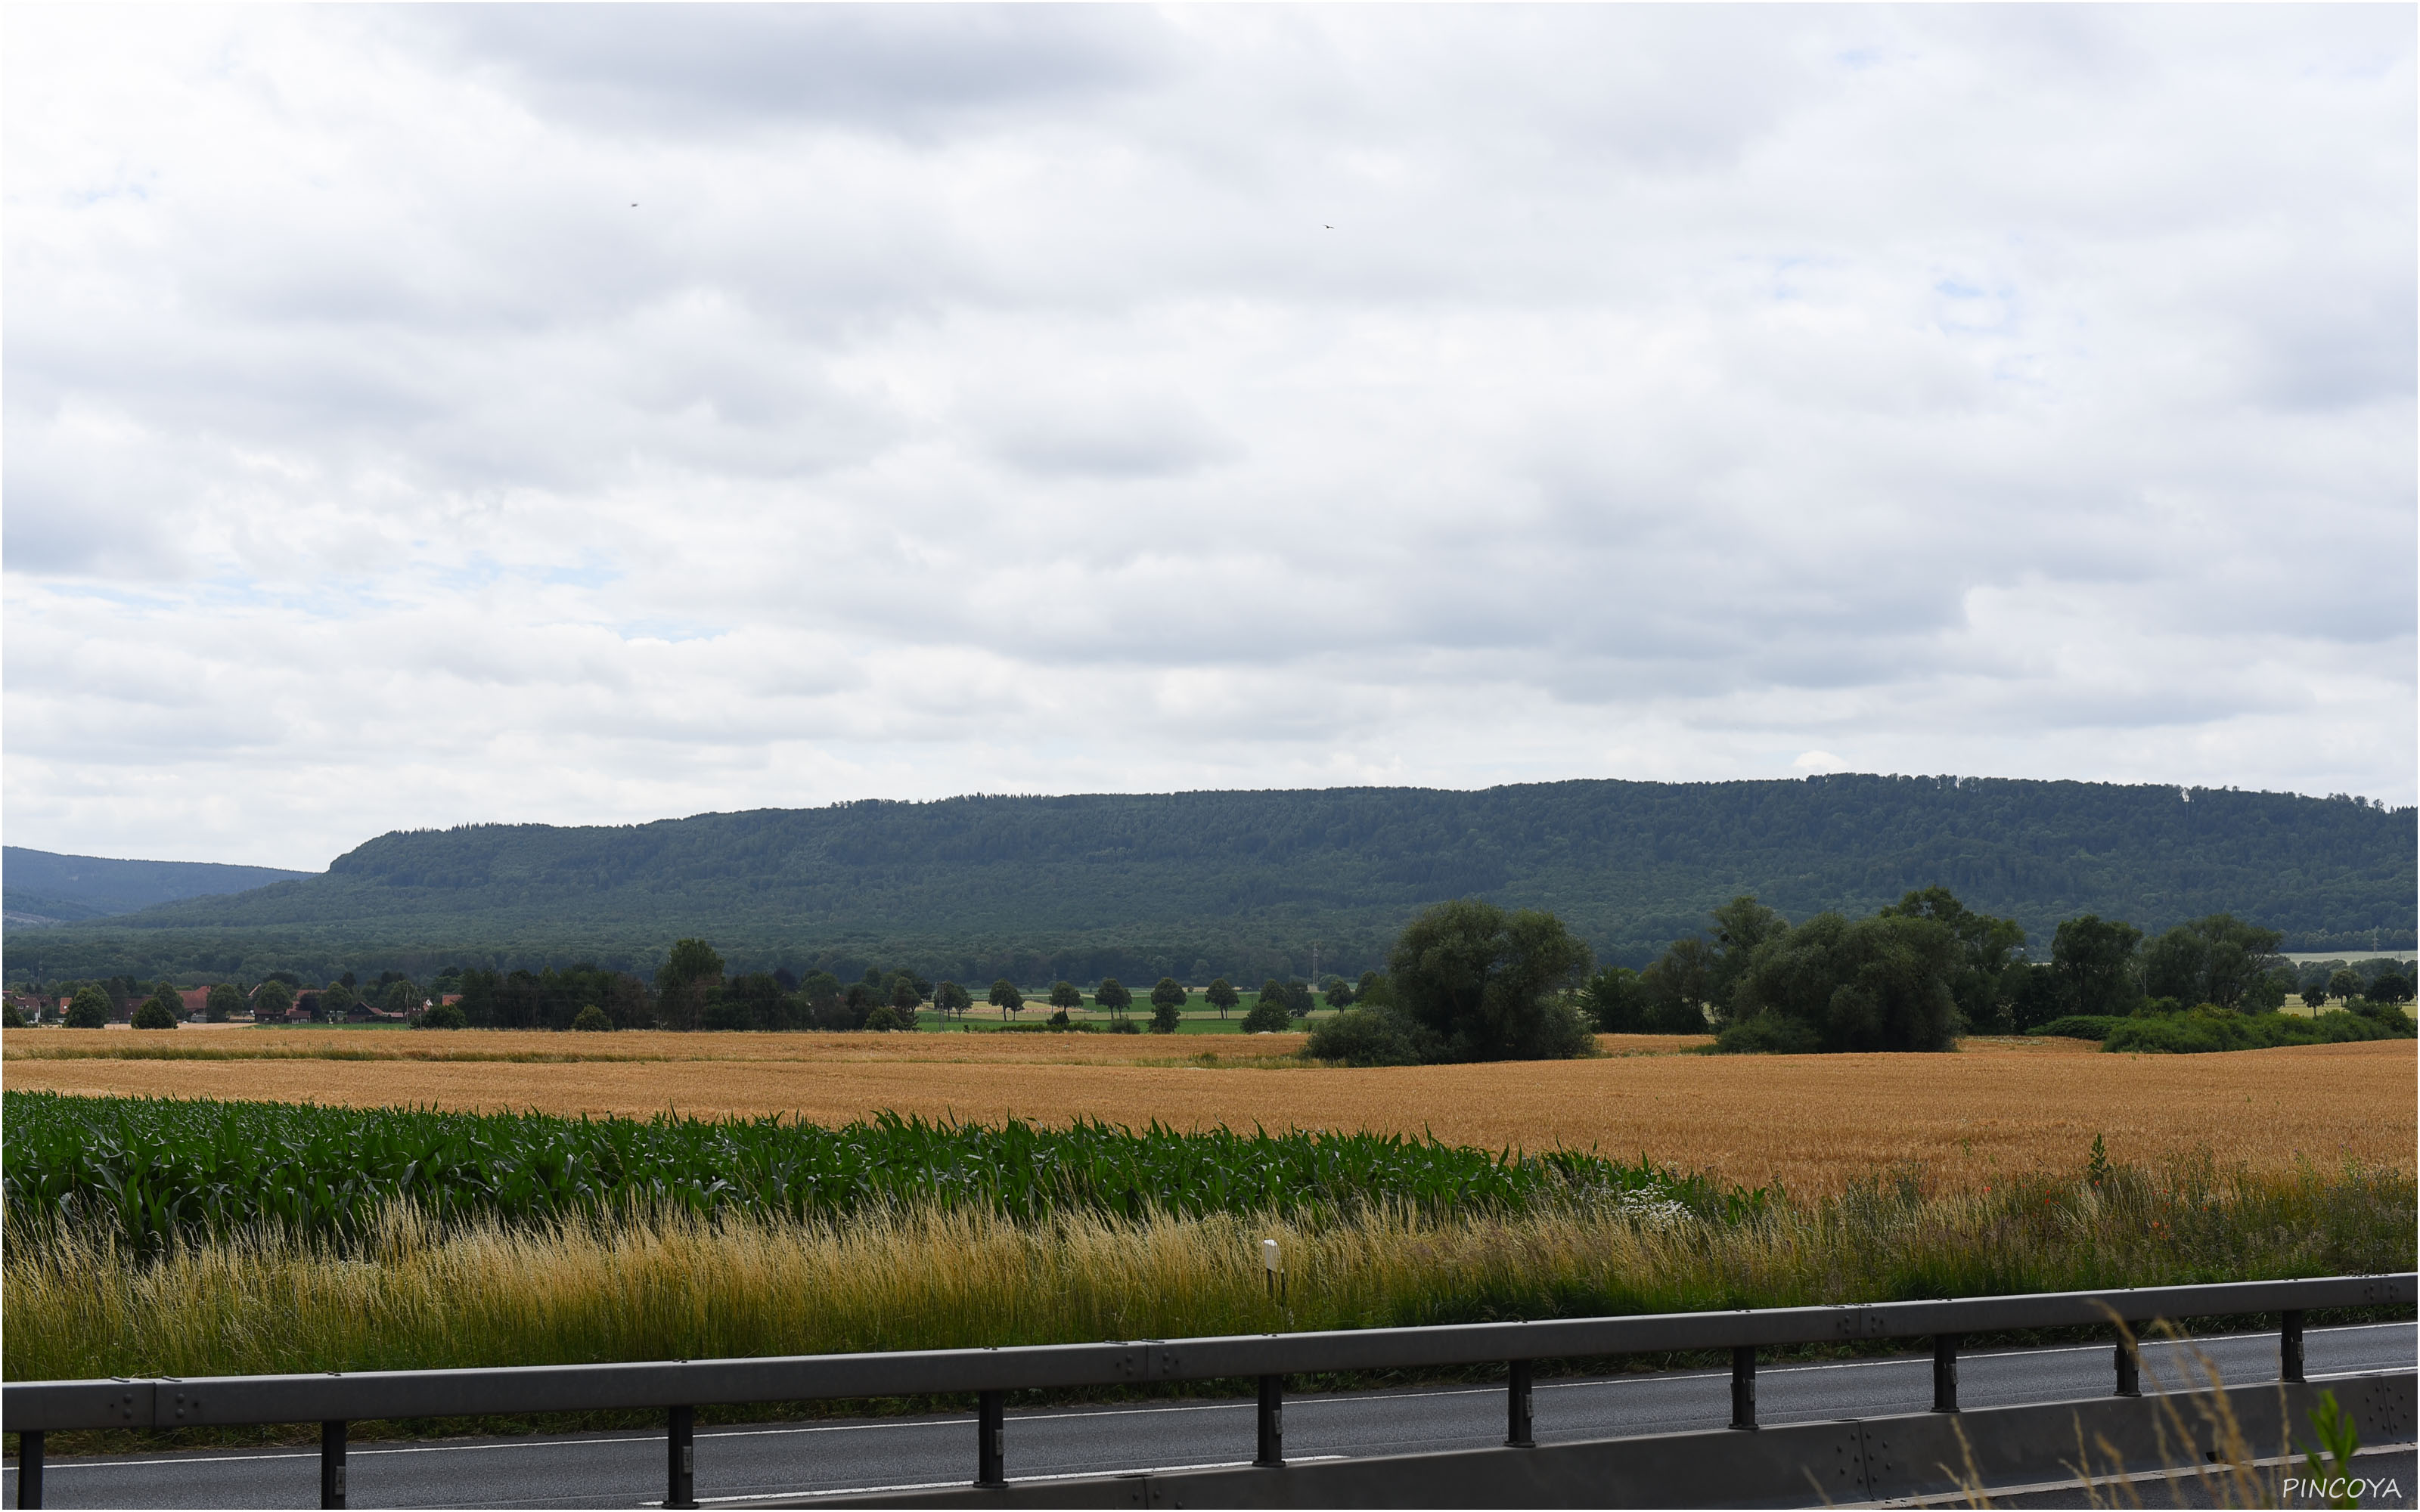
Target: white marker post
<point>1274,1265</point>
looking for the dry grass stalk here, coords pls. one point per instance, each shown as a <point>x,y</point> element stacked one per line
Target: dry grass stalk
<point>667,1285</point>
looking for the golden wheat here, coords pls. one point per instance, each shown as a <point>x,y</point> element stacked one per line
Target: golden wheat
<point>1812,1122</point>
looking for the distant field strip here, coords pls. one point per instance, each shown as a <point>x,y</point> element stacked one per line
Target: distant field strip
<point>1815,1123</point>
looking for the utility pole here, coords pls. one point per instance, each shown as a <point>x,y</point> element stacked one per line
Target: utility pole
<point>1315,966</point>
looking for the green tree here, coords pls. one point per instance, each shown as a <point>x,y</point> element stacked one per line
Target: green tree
<point>224,1003</point>
<point>1678,988</point>
<point>1375,991</point>
<point>691,966</point>
<point>1168,992</point>
<point>592,1020</point>
<point>1064,994</point>
<point>399,996</point>
<point>1222,996</point>
<point>2218,959</point>
<point>951,999</point>
<point>1005,997</point>
<point>1488,984</point>
<point>2344,985</point>
<point>2316,996</point>
<point>1113,995</point>
<point>1614,999</point>
<point>2094,959</point>
<point>1988,946</point>
<point>443,1016</point>
<point>905,995</point>
<point>1739,926</point>
<point>1337,992</point>
<point>88,1008</point>
<point>1879,984</point>
<point>2391,987</point>
<point>1167,1014</point>
<point>272,1000</point>
<point>335,1001</point>
<point>155,1015</point>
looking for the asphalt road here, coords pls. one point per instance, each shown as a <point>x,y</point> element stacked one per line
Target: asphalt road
<point>769,1460</point>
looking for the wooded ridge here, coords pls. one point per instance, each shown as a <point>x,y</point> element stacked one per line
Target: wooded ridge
<point>1241,884</point>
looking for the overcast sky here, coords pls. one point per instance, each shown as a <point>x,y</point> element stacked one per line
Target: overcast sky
<point>595,415</point>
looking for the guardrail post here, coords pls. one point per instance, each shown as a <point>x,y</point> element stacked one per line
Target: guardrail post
<point>2290,1345</point>
<point>1272,1420</point>
<point>1944,1372</point>
<point>2129,1380</point>
<point>1744,1387</point>
<point>29,1468</point>
<point>992,1437</point>
<point>331,1463</point>
<point>680,1457</point>
<point>1516,1408</point>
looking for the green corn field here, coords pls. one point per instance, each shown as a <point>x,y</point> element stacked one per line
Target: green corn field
<point>150,1168</point>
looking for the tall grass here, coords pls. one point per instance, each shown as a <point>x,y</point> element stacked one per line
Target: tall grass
<point>663,1281</point>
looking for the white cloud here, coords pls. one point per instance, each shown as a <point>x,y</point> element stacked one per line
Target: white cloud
<point>1060,399</point>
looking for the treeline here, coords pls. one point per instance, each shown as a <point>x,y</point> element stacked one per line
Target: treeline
<point>1918,974</point>
<point>1240,884</point>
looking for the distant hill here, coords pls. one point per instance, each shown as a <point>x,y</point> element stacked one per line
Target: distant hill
<point>39,888</point>
<point>1242,883</point>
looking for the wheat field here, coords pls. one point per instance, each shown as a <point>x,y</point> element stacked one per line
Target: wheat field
<point>1814,1123</point>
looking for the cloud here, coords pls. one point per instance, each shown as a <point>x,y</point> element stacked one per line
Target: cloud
<point>419,416</point>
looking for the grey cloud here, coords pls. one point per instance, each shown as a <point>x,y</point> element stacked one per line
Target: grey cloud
<point>737,67</point>
<point>966,378</point>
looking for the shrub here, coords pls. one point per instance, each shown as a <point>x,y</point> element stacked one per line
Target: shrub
<point>1125,1027</point>
<point>1769,1034</point>
<point>2205,1029</point>
<point>2079,1027</point>
<point>155,1015</point>
<point>883,1018</point>
<point>1487,985</point>
<point>1268,1016</point>
<point>11,1018</point>
<point>90,1010</point>
<point>592,1020</point>
<point>443,1016</point>
<point>1364,1037</point>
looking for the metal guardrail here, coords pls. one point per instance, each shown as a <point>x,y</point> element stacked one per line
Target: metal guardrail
<point>32,1408</point>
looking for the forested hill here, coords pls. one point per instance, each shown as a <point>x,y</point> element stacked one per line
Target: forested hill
<point>40,887</point>
<point>1243,883</point>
